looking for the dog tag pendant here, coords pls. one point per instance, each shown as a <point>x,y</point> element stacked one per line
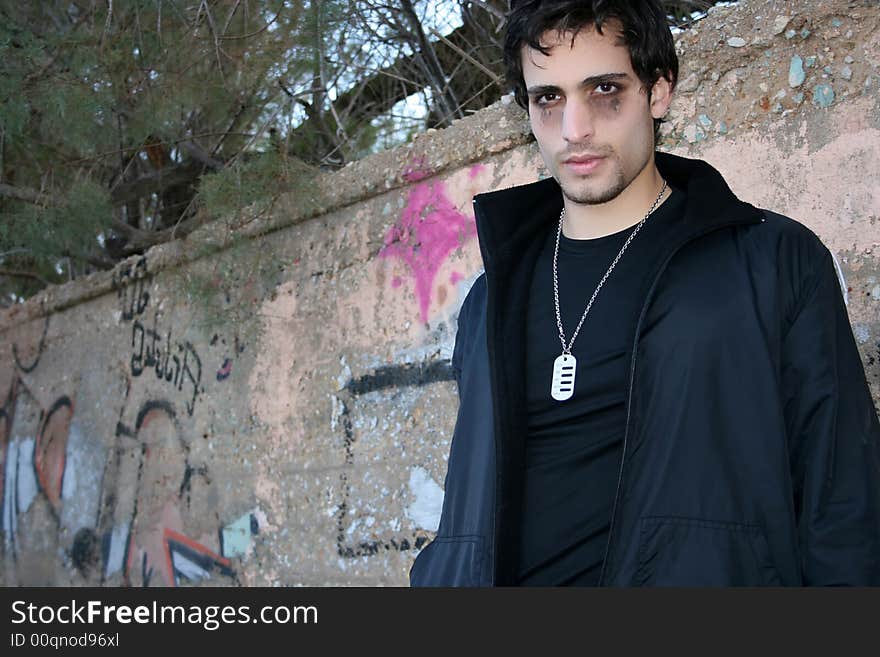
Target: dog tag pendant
<point>562,386</point>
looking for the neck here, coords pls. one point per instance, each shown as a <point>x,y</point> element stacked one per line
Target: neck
<point>585,221</point>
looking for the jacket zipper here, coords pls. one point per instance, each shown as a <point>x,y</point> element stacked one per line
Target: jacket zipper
<point>632,370</point>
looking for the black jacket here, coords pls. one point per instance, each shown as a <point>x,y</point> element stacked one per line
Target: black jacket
<point>751,451</point>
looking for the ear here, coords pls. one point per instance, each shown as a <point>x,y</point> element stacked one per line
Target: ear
<point>661,97</point>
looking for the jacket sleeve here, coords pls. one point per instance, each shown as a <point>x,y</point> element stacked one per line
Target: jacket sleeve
<point>834,438</point>
<point>464,330</point>
<point>449,560</point>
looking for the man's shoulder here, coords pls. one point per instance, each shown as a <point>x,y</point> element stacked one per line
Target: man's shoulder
<point>475,297</point>
<point>472,308</point>
<point>791,233</point>
<point>793,247</point>
<point>800,256</point>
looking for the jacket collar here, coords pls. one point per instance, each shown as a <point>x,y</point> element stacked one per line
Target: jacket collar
<point>508,220</point>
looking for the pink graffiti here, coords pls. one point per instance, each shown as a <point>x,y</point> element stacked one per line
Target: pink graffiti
<point>416,170</point>
<point>455,277</point>
<point>430,228</point>
<point>476,170</point>
<point>225,371</point>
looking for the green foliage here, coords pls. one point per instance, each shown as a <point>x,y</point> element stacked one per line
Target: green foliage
<point>15,49</point>
<point>62,107</point>
<point>67,229</point>
<point>252,182</point>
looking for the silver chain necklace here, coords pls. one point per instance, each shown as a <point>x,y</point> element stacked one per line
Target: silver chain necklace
<point>565,365</point>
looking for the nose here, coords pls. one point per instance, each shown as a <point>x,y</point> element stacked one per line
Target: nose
<point>577,121</point>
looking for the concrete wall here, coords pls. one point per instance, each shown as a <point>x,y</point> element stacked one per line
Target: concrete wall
<point>270,402</point>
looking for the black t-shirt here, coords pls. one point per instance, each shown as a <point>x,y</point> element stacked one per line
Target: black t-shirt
<point>574,447</point>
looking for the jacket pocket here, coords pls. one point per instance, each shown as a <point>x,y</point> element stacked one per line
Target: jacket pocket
<point>449,561</point>
<point>676,551</point>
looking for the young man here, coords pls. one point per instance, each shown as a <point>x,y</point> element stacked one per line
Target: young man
<point>658,381</point>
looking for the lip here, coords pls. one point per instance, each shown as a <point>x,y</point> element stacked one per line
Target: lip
<point>583,163</point>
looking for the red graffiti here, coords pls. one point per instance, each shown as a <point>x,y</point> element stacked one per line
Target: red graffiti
<point>50,449</point>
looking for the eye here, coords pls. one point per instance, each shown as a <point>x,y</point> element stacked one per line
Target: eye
<point>606,88</point>
<point>545,99</point>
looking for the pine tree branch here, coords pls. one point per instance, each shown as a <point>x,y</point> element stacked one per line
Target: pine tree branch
<point>197,153</point>
<point>141,240</point>
<point>123,192</point>
<point>490,74</point>
<point>137,239</point>
<point>155,181</point>
<point>379,92</point>
<point>25,194</point>
<point>17,273</point>
<point>487,7</point>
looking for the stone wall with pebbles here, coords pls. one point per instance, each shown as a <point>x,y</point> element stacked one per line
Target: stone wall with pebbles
<point>270,401</point>
<point>753,62</point>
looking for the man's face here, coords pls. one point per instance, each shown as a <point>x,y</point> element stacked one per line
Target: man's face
<point>590,114</point>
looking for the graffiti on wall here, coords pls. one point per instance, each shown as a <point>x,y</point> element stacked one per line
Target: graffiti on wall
<point>32,458</point>
<point>6,415</point>
<point>50,449</point>
<point>148,543</point>
<point>173,362</point>
<point>32,365</point>
<point>7,468</point>
<point>38,466</point>
<point>429,230</point>
<point>122,503</point>
<point>131,285</point>
<point>177,363</point>
<point>393,377</point>
<point>51,473</point>
<point>16,456</point>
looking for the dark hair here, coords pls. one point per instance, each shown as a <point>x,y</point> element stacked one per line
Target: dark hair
<point>644,27</point>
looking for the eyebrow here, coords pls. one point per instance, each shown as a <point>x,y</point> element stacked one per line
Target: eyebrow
<point>586,82</point>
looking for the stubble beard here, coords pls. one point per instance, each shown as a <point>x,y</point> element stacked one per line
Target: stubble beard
<point>581,193</point>
<point>584,191</point>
